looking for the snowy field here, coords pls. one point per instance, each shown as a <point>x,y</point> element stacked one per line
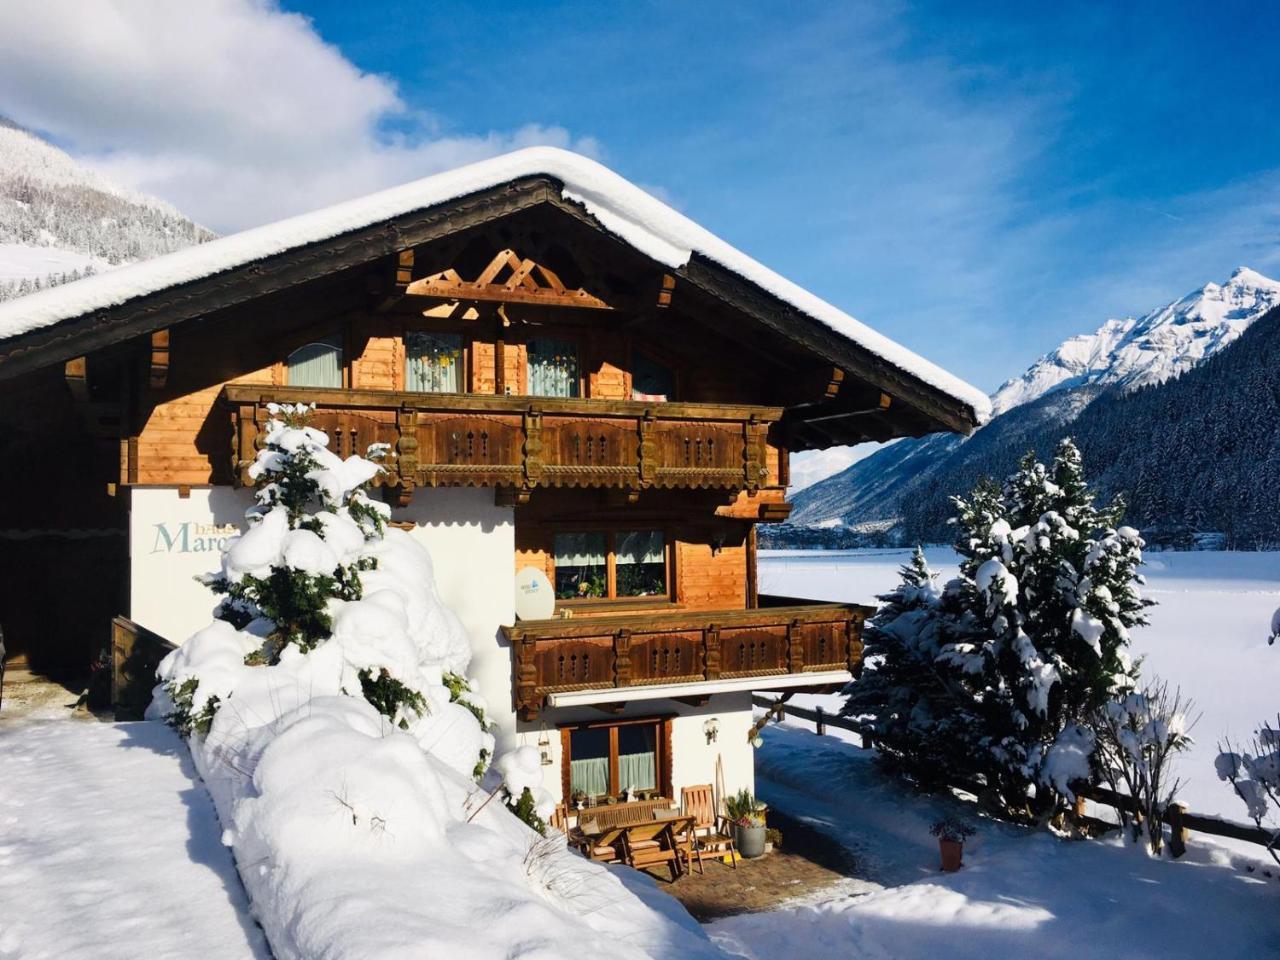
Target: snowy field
<point>1208,634</point>
<point>110,849</point>
<point>1020,894</point>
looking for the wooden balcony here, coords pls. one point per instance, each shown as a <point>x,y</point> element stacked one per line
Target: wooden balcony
<point>524,442</point>
<point>609,653</point>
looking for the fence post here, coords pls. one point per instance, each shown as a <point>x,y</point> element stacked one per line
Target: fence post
<point>820,722</point>
<point>1173,816</point>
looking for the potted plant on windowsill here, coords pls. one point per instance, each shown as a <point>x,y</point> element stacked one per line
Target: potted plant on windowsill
<point>746,817</point>
<point>951,833</point>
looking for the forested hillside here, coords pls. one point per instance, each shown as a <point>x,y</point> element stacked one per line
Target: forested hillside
<point>60,220</point>
<point>1196,454</point>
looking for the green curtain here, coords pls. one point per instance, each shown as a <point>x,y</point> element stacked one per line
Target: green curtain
<point>316,365</point>
<point>637,771</point>
<point>591,776</point>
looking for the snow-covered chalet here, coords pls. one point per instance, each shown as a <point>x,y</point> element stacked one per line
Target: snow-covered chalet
<point>573,377</point>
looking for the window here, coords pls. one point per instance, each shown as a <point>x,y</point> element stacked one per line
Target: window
<point>599,565</point>
<point>641,563</point>
<point>650,380</point>
<point>608,759</point>
<point>582,569</point>
<point>433,362</point>
<point>553,368</point>
<point>316,365</point>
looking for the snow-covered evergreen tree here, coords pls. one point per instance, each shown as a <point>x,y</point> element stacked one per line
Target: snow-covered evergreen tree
<point>319,590</point>
<point>903,703</point>
<point>1012,657</point>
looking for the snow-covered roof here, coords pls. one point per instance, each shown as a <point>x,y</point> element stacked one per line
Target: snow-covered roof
<point>646,223</point>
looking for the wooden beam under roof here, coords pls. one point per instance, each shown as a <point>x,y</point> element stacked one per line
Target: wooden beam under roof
<point>508,278</point>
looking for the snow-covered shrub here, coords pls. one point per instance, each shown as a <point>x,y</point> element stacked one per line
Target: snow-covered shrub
<point>1136,737</point>
<point>1253,770</point>
<point>318,579</point>
<point>979,680</point>
<point>329,713</point>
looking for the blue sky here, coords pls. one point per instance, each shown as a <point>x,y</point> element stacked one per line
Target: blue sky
<point>977,180</point>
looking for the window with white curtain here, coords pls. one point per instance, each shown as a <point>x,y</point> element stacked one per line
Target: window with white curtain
<point>316,364</point>
<point>433,362</point>
<point>606,760</point>
<point>610,565</point>
<point>553,367</point>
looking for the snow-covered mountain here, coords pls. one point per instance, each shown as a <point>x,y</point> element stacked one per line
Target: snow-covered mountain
<point>866,496</point>
<point>60,220</point>
<point>1150,349</point>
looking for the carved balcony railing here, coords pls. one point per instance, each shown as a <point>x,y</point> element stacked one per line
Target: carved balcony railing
<point>523,442</point>
<point>681,647</point>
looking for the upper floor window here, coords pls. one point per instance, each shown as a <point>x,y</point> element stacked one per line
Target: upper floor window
<point>553,368</point>
<point>610,565</point>
<point>316,365</point>
<point>651,380</point>
<point>433,362</point>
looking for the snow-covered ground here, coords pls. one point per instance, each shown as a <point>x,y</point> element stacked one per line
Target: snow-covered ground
<point>1020,894</point>
<point>1208,634</point>
<point>110,848</point>
<point>19,262</point>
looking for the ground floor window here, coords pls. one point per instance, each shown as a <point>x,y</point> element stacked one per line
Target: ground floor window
<point>608,759</point>
<point>610,565</point>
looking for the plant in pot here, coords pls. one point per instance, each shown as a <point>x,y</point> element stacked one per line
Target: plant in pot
<point>746,817</point>
<point>951,833</point>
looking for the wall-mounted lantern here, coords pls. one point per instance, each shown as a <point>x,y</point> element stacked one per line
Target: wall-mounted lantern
<point>544,746</point>
<point>711,729</point>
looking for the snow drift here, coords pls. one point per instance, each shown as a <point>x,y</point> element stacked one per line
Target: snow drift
<point>362,824</point>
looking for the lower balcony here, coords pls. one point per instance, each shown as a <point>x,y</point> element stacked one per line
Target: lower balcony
<point>643,656</point>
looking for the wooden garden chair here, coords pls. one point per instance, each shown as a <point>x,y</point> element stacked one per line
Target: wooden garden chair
<point>650,844</point>
<point>604,847</point>
<point>710,832</point>
<point>560,818</point>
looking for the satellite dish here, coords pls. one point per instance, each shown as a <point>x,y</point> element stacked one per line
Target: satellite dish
<point>535,600</point>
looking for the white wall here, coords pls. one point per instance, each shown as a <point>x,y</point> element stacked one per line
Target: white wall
<point>172,540</point>
<point>472,546</point>
<point>693,760</point>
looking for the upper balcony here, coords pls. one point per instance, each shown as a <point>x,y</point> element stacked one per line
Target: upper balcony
<point>524,442</point>
<point>683,653</point>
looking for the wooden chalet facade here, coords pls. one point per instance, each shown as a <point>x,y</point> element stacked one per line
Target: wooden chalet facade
<point>560,391</point>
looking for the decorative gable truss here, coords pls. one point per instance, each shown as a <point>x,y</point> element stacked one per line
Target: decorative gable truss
<point>508,278</point>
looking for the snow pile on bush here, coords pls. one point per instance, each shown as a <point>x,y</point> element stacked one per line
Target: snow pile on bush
<point>1254,770</point>
<point>329,713</point>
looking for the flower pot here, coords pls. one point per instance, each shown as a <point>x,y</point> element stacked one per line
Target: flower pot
<point>952,851</point>
<point>749,840</point>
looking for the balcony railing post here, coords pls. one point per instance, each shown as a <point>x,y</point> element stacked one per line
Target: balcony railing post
<point>532,446</point>
<point>711,652</point>
<point>795,647</point>
<point>622,658</point>
<point>526,678</point>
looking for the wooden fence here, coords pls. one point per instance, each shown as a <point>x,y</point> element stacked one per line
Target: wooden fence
<point>1179,819</point>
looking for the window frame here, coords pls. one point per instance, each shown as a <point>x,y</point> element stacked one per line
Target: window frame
<point>662,754</point>
<point>611,533</point>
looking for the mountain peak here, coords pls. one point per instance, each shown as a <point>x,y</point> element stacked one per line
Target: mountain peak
<point>1149,349</point>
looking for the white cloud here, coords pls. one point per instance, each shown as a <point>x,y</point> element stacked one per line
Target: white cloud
<point>233,110</point>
